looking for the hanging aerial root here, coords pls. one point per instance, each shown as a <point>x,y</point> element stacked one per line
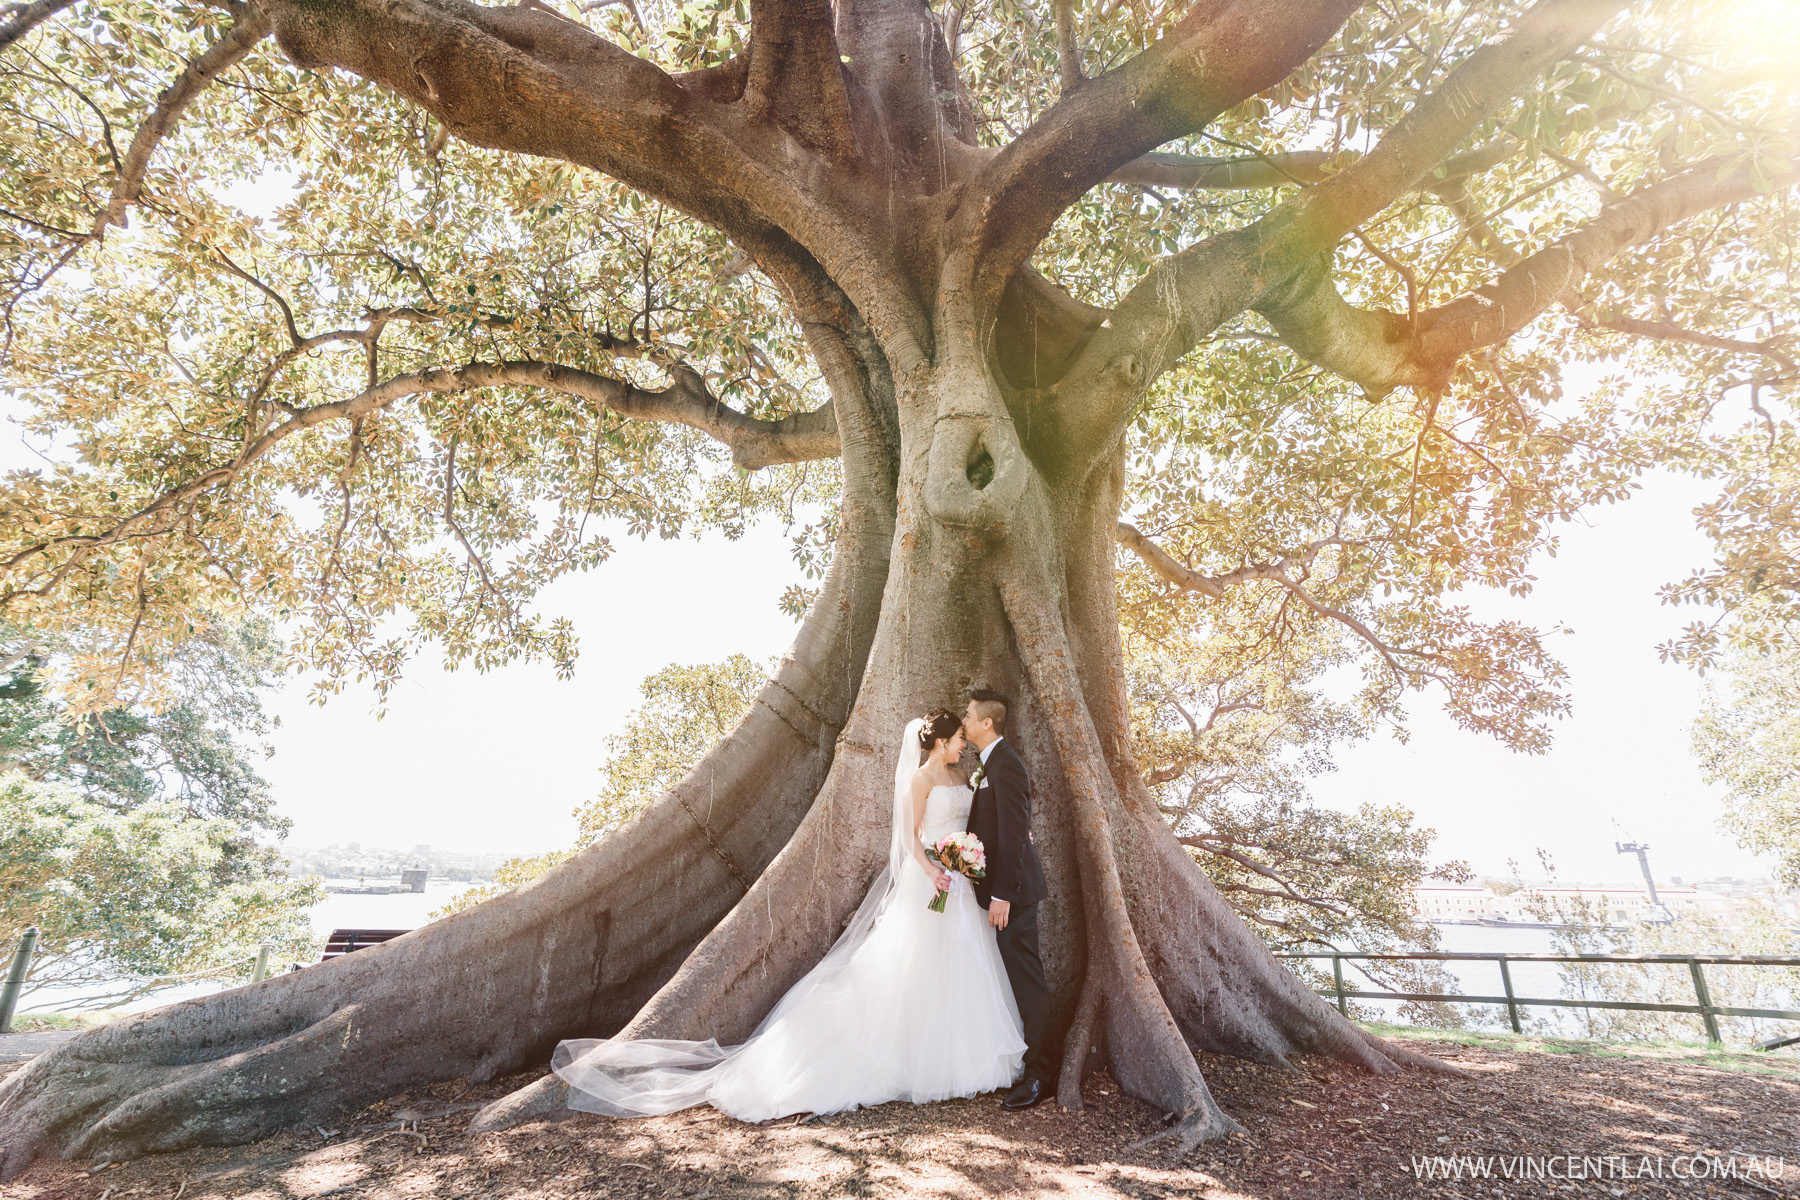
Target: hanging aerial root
<point>1145,1047</point>
<point>1080,1043</point>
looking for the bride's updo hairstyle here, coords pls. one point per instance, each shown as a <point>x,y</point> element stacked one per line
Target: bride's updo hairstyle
<point>940,725</point>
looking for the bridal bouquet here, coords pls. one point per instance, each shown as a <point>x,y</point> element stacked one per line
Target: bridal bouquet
<point>961,854</point>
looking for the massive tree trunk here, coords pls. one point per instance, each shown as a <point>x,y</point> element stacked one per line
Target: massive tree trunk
<point>981,414</point>
<point>694,919</point>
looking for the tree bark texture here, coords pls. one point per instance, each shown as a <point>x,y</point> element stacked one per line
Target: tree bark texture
<point>981,414</point>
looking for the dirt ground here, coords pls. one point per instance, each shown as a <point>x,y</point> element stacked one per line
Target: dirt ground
<point>1612,1122</point>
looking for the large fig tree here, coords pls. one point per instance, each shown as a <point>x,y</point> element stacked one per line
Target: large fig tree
<point>376,315</point>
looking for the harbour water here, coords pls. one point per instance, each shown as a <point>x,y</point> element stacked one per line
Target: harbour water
<point>1479,978</point>
<point>339,910</point>
<point>398,910</point>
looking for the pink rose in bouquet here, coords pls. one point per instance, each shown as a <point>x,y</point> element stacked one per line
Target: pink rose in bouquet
<point>960,854</point>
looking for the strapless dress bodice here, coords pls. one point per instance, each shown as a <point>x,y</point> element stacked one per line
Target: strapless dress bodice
<point>946,811</point>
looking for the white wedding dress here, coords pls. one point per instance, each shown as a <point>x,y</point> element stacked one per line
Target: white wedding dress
<point>909,1004</point>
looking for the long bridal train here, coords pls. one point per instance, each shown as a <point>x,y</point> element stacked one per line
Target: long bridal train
<point>908,1004</point>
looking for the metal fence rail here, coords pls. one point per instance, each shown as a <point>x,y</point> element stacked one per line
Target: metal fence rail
<point>1703,1006</point>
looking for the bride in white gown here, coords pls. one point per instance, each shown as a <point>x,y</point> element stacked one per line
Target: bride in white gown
<point>909,1004</point>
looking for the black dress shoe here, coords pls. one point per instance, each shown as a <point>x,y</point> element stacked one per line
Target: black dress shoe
<point>1028,1092</point>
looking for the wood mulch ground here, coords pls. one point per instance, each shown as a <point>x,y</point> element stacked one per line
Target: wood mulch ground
<point>1328,1132</point>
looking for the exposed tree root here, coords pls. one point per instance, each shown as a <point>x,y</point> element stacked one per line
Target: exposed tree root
<point>1078,1045</point>
<point>1194,1129</point>
<point>773,936</point>
<point>480,994</point>
<point>1171,967</point>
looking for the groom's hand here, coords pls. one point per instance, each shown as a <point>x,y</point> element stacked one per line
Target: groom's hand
<point>998,911</point>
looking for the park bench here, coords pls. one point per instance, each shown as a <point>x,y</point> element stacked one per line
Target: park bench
<point>344,941</point>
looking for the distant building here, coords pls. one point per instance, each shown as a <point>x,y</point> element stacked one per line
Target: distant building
<point>1447,902</point>
<point>1619,905</point>
<point>412,879</point>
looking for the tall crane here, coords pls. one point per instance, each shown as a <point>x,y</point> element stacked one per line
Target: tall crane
<point>1659,913</point>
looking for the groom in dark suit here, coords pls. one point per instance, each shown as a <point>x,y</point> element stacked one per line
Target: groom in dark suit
<point>1000,816</point>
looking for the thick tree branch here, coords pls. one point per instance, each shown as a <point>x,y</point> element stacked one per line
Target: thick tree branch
<point>795,78</point>
<point>1186,296</point>
<point>1289,168</point>
<point>1380,350</point>
<point>1208,61</point>
<point>21,19</point>
<point>1284,169</point>
<point>686,401</point>
<point>1428,134</point>
<point>252,25</point>
<point>1224,174</point>
<point>917,106</point>
<point>531,82</point>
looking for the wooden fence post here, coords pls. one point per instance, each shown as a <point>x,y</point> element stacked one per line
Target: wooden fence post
<point>1512,1007</point>
<point>15,978</point>
<point>1707,1012</point>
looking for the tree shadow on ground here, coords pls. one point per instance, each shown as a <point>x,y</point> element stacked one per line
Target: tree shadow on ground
<point>1327,1132</point>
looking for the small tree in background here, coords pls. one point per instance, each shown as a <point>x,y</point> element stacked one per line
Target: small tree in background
<point>195,742</point>
<point>1747,739</point>
<point>131,835</point>
<point>131,902</point>
<point>684,711</point>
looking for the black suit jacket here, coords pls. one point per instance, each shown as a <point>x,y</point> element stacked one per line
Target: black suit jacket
<point>1000,816</point>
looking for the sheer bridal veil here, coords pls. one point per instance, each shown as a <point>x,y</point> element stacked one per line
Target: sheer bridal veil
<point>649,1076</point>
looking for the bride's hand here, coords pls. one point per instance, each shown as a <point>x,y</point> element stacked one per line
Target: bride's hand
<point>941,879</point>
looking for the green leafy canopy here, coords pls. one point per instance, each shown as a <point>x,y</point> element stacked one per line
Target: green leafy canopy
<point>149,359</point>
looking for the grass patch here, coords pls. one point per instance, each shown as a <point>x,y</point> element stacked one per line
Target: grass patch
<point>1782,1062</point>
<point>50,1022</point>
